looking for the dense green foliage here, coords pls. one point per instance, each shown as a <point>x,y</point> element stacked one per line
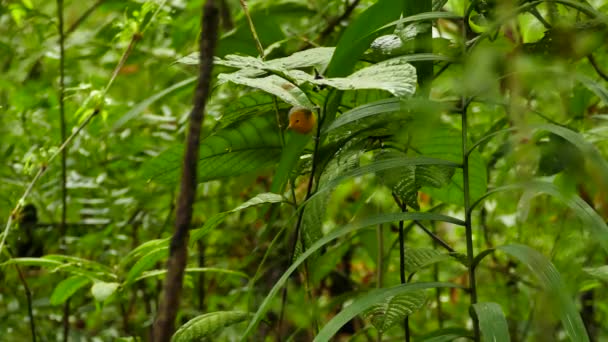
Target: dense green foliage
<point>455,184</point>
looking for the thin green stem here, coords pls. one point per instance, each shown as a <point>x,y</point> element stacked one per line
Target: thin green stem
<point>258,43</point>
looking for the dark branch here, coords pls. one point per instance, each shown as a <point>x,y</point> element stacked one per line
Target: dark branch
<point>178,253</point>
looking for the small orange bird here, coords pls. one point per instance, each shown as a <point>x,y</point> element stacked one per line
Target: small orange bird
<point>301,120</point>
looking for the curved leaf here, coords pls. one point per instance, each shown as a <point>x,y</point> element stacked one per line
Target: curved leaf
<point>419,258</point>
<point>372,221</point>
<point>158,273</point>
<point>550,279</point>
<point>67,288</point>
<point>366,301</point>
<point>146,262</point>
<point>592,221</point>
<point>244,147</point>
<point>392,310</point>
<point>492,322</point>
<point>274,85</point>
<point>205,325</point>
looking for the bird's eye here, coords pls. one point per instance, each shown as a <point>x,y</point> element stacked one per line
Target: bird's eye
<point>297,121</point>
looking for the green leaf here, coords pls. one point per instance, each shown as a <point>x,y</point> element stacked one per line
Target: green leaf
<point>550,279</point>
<point>140,107</point>
<point>446,143</point>
<point>102,290</point>
<point>216,219</point>
<point>144,249</point>
<point>158,273</point>
<point>492,322</point>
<point>290,155</point>
<point>254,67</point>
<point>419,258</point>
<point>274,85</point>
<point>600,273</point>
<point>368,300</point>
<point>67,288</point>
<point>395,75</point>
<point>372,221</point>
<point>592,221</point>
<point>255,103</point>
<point>245,147</point>
<point>392,310</point>
<point>208,324</point>
<point>146,262</point>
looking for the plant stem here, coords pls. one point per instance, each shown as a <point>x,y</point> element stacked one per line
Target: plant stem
<point>406,322</point>
<point>467,220</point>
<point>258,43</point>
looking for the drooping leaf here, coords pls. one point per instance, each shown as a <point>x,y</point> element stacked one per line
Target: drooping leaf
<point>245,147</point>
<point>255,103</point>
<point>274,85</point>
<point>208,324</point>
<point>67,288</point>
<point>372,221</point>
<point>366,301</point>
<point>294,145</point>
<point>392,310</point>
<point>492,322</point>
<point>549,278</point>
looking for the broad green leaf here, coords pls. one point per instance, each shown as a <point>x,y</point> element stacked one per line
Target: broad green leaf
<point>395,75</point>
<point>40,262</point>
<point>67,288</point>
<point>245,147</point>
<point>592,221</point>
<point>208,324</point>
<point>492,322</point>
<point>446,143</point>
<point>595,87</point>
<point>392,310</point>
<point>550,279</point>
<point>254,67</point>
<point>600,273</point>
<point>64,263</point>
<point>146,262</point>
<point>372,221</point>
<point>368,300</point>
<point>274,85</point>
<point>102,290</point>
<point>446,335</point>
<point>159,273</point>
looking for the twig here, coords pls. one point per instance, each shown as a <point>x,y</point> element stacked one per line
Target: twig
<point>83,17</point>
<point>28,296</point>
<point>258,44</point>
<point>336,21</point>
<point>178,253</point>
<point>64,154</point>
<point>599,71</point>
